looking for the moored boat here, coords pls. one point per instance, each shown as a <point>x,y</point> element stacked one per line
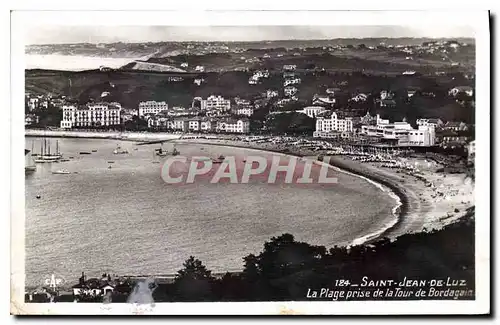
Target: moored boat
<point>120,151</point>
<point>219,160</point>
<point>61,171</point>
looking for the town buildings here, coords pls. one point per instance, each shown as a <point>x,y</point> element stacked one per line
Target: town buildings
<point>326,100</point>
<point>401,133</point>
<point>200,124</point>
<point>290,91</point>
<point>216,104</point>
<point>430,122</point>
<point>312,111</point>
<point>231,125</point>
<point>471,150</point>
<point>243,110</point>
<point>152,107</point>
<point>461,89</point>
<point>332,123</point>
<point>91,115</point>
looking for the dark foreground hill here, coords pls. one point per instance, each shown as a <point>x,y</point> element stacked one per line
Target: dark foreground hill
<point>440,263</point>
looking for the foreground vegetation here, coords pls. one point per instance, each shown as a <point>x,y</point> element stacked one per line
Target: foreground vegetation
<point>286,268</point>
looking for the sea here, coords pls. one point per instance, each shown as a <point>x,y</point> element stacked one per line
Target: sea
<point>126,220</point>
<point>72,62</point>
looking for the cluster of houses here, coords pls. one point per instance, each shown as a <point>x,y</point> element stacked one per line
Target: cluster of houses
<point>428,132</point>
<point>213,114</point>
<point>290,85</point>
<point>98,287</point>
<point>258,76</point>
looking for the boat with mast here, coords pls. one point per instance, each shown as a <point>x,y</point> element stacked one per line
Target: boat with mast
<point>29,169</point>
<point>46,155</point>
<point>160,152</point>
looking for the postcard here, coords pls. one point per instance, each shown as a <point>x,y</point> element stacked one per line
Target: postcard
<point>250,163</point>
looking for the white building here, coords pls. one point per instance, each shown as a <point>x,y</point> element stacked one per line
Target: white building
<point>312,111</point>
<point>271,93</point>
<point>216,103</point>
<point>323,100</point>
<point>233,125</point>
<point>152,107</point>
<point>243,110</point>
<point>461,89</point>
<point>472,150</point>
<point>290,91</point>
<point>384,94</point>
<point>402,133</point>
<point>435,122</point>
<point>333,123</point>
<point>359,98</point>
<point>91,115</point>
<point>411,93</point>
<point>207,125</point>
<point>294,81</point>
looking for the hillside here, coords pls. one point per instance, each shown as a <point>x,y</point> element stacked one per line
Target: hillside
<point>130,87</point>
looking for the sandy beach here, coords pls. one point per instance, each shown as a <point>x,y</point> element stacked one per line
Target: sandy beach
<point>125,136</point>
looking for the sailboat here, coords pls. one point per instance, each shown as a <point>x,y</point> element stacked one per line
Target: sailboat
<point>45,154</point>
<point>29,169</point>
<point>155,161</point>
<point>160,152</point>
<point>33,154</point>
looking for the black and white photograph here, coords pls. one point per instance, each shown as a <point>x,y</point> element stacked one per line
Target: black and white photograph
<point>313,168</point>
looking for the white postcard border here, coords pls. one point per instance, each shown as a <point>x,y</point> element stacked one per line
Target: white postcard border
<point>478,20</point>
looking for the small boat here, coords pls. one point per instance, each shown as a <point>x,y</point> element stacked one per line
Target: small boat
<point>61,171</point>
<point>94,150</point>
<point>111,162</point>
<point>175,152</point>
<point>219,160</point>
<point>28,170</point>
<point>136,148</point>
<point>160,152</point>
<point>155,162</point>
<point>64,160</point>
<point>71,157</point>
<point>38,196</point>
<point>109,167</point>
<point>120,151</point>
<point>85,153</point>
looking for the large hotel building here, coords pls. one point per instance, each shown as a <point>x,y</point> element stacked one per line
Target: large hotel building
<point>91,115</point>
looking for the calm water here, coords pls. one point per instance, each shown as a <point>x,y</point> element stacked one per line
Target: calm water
<point>127,220</point>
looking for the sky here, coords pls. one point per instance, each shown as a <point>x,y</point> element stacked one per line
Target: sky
<point>135,34</point>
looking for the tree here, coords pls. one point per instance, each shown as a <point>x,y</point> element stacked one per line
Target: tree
<point>194,281</point>
<point>251,270</point>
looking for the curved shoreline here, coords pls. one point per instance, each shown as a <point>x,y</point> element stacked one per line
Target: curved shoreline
<point>400,210</point>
